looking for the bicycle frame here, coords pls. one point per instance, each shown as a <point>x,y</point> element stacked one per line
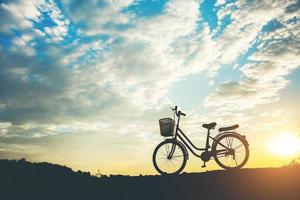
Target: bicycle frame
<point>189,144</point>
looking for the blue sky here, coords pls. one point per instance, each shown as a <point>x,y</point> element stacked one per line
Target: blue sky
<point>79,70</point>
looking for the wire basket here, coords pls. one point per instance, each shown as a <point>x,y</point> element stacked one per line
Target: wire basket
<point>166,126</point>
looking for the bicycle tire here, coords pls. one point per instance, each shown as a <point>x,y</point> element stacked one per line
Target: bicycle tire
<point>182,153</point>
<point>243,142</point>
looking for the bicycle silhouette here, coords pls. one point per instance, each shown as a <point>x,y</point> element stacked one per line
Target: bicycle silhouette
<point>229,148</point>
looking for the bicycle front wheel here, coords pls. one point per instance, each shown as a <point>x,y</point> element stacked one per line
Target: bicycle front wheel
<point>231,151</point>
<point>169,157</point>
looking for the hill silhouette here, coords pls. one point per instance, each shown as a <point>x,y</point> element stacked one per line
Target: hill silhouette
<point>20,179</point>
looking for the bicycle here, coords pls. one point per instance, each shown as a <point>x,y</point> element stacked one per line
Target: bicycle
<point>229,149</point>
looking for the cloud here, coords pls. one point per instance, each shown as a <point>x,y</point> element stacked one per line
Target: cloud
<point>132,69</point>
<point>17,14</point>
<point>60,29</point>
<point>247,21</point>
<point>97,15</point>
<point>144,59</point>
<point>81,68</point>
<point>47,98</point>
<point>293,7</point>
<point>17,151</point>
<point>264,76</point>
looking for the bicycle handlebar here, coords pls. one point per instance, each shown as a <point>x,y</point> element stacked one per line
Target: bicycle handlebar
<point>181,113</point>
<point>178,113</point>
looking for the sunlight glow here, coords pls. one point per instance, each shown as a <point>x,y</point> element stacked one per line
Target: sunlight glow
<point>285,145</point>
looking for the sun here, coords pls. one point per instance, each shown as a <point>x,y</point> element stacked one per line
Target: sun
<point>286,144</point>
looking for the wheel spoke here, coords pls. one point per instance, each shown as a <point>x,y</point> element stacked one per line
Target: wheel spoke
<point>223,145</point>
<point>174,164</point>
<point>231,141</point>
<point>164,163</point>
<point>176,160</point>
<point>168,166</point>
<point>239,146</point>
<point>167,149</point>
<point>164,158</point>
<point>234,143</point>
<point>177,156</point>
<point>227,142</point>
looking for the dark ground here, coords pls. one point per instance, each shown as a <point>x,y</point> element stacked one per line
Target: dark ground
<point>22,180</point>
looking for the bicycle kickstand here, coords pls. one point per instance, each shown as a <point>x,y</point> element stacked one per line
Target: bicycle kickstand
<point>204,164</point>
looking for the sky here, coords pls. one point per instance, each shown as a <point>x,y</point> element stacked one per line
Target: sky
<point>83,83</point>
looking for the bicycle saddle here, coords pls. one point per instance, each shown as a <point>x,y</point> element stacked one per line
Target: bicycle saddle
<point>228,128</point>
<point>209,126</point>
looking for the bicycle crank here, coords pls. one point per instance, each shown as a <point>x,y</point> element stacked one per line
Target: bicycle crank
<point>205,156</point>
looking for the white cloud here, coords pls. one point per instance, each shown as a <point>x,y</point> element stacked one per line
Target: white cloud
<point>150,56</point>
<point>153,54</point>
<point>23,45</point>
<point>247,20</point>
<point>60,29</point>
<point>119,85</point>
<point>21,15</point>
<point>97,15</point>
<point>264,76</point>
<point>10,151</point>
<point>17,14</point>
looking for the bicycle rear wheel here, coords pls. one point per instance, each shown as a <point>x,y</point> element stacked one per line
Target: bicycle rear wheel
<point>231,151</point>
<point>169,157</point>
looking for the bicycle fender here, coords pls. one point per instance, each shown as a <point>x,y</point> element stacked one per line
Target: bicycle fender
<point>231,132</point>
<point>243,136</point>
<point>181,144</point>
